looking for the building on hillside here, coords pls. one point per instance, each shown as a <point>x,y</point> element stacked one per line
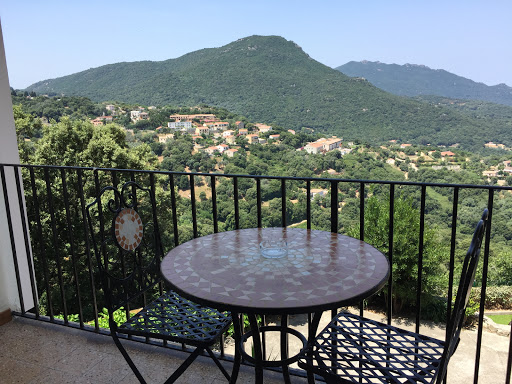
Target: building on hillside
<point>291,131</point>
<point>447,154</point>
<point>97,122</point>
<point>134,115</point>
<point>138,115</point>
<point>274,137</point>
<point>110,107</point>
<point>222,147</point>
<point>262,128</point>
<point>252,139</point>
<point>202,130</point>
<point>490,144</point>
<point>179,124</point>
<point>231,139</point>
<point>231,152</point>
<point>317,191</point>
<point>323,145</point>
<point>212,150</point>
<point>200,117</point>
<point>491,173</point>
<point>227,133</point>
<point>262,141</point>
<point>219,125</point>
<point>106,119</point>
<point>405,145</point>
<point>239,125</point>
<point>243,131</point>
<point>314,148</point>
<point>163,137</point>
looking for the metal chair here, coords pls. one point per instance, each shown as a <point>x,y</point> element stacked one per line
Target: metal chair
<point>125,237</point>
<point>354,349</point>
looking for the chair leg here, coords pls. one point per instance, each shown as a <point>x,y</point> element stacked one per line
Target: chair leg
<point>238,355</point>
<point>127,358</point>
<point>182,368</point>
<point>218,364</point>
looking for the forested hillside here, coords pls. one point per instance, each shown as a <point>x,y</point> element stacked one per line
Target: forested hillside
<point>415,80</point>
<point>271,80</point>
<point>75,141</point>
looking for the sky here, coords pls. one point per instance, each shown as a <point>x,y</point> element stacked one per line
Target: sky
<point>49,39</point>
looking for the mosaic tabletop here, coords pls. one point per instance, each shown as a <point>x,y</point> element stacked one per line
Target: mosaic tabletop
<point>318,270</point>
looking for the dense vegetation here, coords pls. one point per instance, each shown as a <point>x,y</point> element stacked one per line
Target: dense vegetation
<point>75,141</point>
<point>415,80</point>
<point>55,108</point>
<point>487,113</point>
<point>271,80</point>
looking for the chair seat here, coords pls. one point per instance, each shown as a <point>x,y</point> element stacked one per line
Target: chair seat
<point>172,317</point>
<point>356,349</point>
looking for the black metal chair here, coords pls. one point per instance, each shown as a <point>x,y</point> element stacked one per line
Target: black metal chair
<point>125,237</point>
<point>354,349</point>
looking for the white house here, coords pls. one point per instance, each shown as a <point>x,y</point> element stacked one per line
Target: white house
<point>179,124</point>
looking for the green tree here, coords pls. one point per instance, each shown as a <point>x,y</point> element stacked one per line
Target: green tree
<point>406,227</point>
<point>27,127</point>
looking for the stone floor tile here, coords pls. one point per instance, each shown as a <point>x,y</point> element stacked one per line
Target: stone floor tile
<point>80,360</point>
<point>56,376</point>
<point>110,370</point>
<point>14,371</point>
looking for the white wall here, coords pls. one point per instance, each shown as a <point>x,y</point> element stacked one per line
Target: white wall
<point>9,155</point>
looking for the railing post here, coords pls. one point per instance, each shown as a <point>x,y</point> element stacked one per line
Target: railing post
<point>420,257</point>
<point>490,204</point>
<point>390,250</point>
<point>334,206</point>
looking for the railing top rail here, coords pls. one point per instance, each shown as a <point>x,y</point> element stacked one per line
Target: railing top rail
<point>317,179</point>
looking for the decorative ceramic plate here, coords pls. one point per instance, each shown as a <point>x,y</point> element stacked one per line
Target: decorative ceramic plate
<point>128,229</point>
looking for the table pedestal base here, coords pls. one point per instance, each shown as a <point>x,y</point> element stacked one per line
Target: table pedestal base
<point>258,332</point>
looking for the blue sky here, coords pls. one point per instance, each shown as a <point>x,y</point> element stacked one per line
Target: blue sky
<point>48,39</point>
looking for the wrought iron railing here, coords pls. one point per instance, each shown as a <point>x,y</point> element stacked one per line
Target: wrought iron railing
<point>62,274</point>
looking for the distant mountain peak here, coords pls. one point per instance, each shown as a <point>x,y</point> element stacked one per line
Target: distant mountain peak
<point>409,65</point>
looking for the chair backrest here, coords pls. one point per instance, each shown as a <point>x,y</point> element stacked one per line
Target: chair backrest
<point>125,238</point>
<point>466,282</point>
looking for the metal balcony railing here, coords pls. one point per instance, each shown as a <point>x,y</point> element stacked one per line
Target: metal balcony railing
<point>62,273</point>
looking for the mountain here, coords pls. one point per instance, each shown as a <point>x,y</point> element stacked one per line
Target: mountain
<point>272,80</point>
<point>416,80</point>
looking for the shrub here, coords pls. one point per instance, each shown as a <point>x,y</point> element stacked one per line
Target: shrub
<point>497,297</point>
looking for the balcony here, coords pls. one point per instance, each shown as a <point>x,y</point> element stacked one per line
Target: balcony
<point>56,334</point>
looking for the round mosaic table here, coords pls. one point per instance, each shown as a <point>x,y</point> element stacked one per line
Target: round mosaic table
<point>321,270</point>
<point>318,271</point>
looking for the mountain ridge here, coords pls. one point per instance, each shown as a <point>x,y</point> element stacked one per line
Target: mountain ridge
<point>420,80</point>
<point>272,80</point>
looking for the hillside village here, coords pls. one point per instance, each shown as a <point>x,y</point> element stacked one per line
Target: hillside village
<point>217,138</point>
<point>217,134</point>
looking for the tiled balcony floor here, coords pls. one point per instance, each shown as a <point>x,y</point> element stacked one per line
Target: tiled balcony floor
<point>36,352</point>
